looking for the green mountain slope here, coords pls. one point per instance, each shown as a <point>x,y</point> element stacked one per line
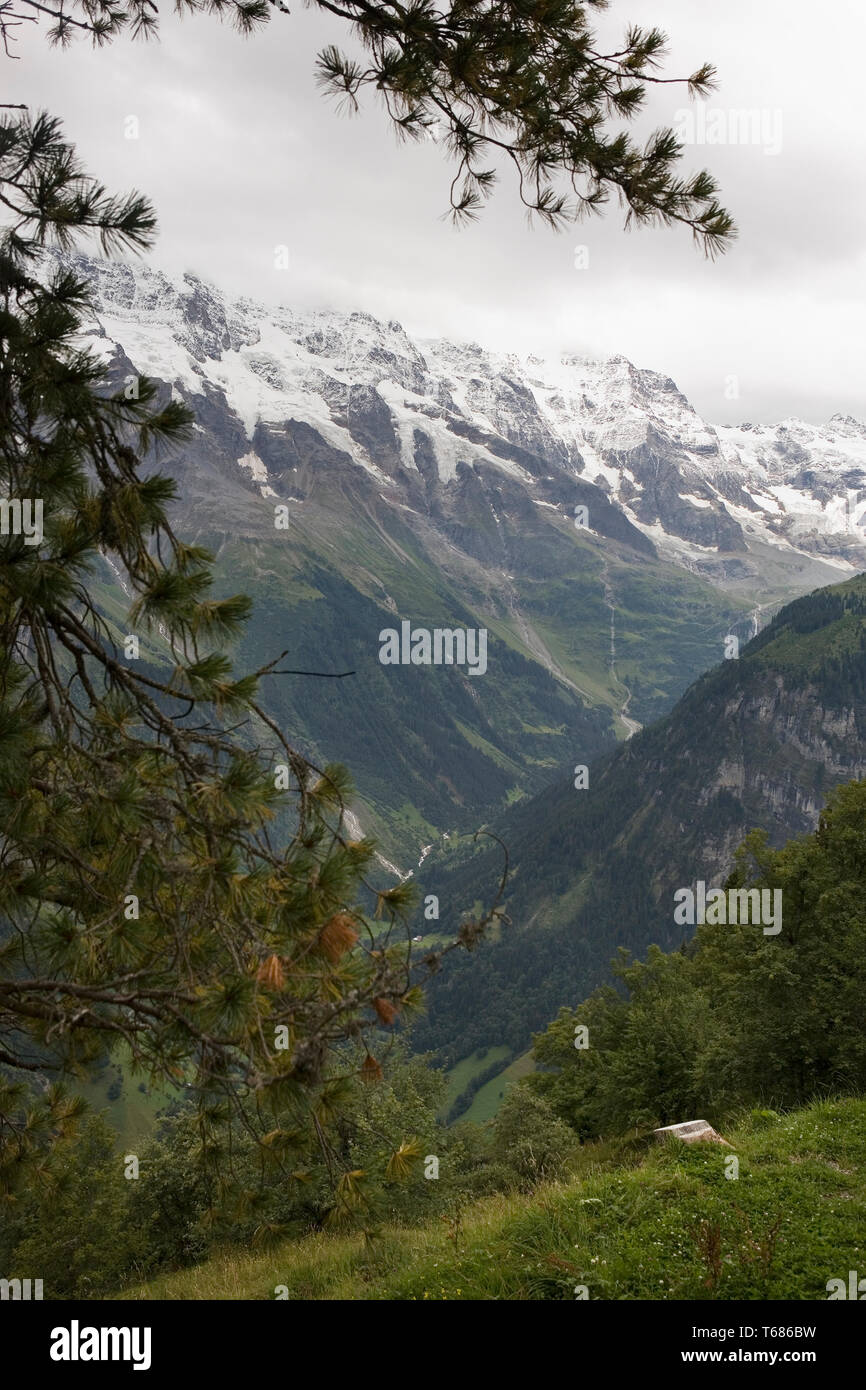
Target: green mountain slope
<point>432,749</point>
<point>756,742</point>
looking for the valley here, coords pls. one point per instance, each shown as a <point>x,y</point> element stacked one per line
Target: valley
<point>437,483</point>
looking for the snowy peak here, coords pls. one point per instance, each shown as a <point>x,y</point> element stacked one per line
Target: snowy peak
<point>415,416</point>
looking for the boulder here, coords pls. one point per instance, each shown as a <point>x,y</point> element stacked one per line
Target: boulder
<point>691,1132</point>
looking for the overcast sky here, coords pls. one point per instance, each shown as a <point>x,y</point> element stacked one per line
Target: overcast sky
<point>240,153</point>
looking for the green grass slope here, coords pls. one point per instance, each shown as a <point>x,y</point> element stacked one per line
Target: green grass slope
<point>129,1103</point>
<point>638,1221</point>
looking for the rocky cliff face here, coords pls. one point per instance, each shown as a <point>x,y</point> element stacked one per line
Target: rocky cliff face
<point>769,753</point>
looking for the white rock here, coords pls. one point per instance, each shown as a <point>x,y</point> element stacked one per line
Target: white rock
<point>691,1132</point>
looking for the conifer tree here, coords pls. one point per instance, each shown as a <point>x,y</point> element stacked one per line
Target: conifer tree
<point>150,893</point>
<point>525,84</point>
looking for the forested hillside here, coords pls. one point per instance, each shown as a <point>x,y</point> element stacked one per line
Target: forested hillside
<point>755,743</point>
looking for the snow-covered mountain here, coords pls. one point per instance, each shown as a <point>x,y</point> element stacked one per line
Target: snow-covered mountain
<point>770,508</point>
<point>444,484</point>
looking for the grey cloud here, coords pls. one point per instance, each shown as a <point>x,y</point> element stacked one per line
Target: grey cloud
<point>240,154</point>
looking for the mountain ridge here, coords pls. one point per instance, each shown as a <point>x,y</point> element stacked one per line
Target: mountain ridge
<point>446,486</point>
<point>368,391</point>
